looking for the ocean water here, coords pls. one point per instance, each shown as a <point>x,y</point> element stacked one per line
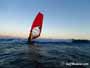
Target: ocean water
<point>43,53</point>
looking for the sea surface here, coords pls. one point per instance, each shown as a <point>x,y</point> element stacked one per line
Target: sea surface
<point>43,53</point>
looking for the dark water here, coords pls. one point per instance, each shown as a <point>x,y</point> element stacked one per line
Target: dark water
<point>17,53</point>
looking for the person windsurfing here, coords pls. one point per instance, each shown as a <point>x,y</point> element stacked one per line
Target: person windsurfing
<point>36,27</point>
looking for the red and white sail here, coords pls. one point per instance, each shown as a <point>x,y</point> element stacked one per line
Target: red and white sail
<point>36,27</point>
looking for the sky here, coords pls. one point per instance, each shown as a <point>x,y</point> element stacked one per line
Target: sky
<point>62,18</point>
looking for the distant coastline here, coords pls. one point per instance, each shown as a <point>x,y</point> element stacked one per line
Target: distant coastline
<point>80,41</point>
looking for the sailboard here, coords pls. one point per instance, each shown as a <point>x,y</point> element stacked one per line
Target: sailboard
<point>36,27</point>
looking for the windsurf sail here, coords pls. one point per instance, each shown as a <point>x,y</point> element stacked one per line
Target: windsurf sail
<point>36,27</point>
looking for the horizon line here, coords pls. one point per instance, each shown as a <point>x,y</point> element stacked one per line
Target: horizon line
<point>8,36</point>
